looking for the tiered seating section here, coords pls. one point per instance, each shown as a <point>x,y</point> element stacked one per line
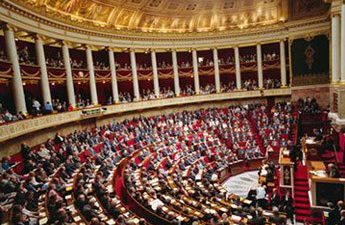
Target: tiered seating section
<point>157,170</point>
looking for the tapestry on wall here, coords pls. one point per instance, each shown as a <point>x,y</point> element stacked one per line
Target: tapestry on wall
<point>310,60</point>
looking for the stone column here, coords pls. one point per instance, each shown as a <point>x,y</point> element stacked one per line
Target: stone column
<point>11,49</point>
<point>282,63</point>
<point>69,75</point>
<point>196,72</point>
<point>238,69</point>
<point>216,70</point>
<point>342,57</point>
<point>336,48</point>
<point>44,73</point>
<point>135,76</point>
<point>114,87</point>
<point>93,88</point>
<point>259,62</point>
<point>155,73</point>
<point>175,71</point>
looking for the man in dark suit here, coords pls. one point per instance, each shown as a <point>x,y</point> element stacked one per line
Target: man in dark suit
<point>333,214</point>
<point>274,199</point>
<point>342,217</point>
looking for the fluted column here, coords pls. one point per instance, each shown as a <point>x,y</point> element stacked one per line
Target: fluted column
<point>259,61</point>
<point>114,87</point>
<point>155,73</point>
<point>44,73</point>
<point>336,48</point>
<point>92,81</point>
<point>196,72</point>
<point>175,71</point>
<point>238,68</point>
<point>69,75</point>
<point>342,68</point>
<point>216,69</point>
<point>282,63</point>
<point>135,76</point>
<point>18,90</point>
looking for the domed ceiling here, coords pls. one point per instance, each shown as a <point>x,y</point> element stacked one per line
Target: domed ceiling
<point>166,16</point>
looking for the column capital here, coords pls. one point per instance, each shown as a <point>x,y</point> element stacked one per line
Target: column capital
<point>132,50</point>
<point>38,37</point>
<point>9,27</point>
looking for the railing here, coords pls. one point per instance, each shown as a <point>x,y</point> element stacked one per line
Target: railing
<point>12,130</point>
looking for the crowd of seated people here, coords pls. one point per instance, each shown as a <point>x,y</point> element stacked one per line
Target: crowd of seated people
<point>250,85</point>
<point>125,97</point>
<point>205,63</point>
<point>125,67</point>
<point>74,156</point>
<point>148,94</point>
<point>308,105</point>
<point>83,102</point>
<point>164,65</point>
<point>270,57</point>
<point>248,58</point>
<point>146,181</point>
<point>78,64</point>
<point>228,87</point>
<point>3,56</point>
<point>275,126</point>
<point>228,61</point>
<point>166,92</point>
<point>25,57</point>
<point>335,213</point>
<point>187,91</point>
<point>55,62</point>
<point>272,83</point>
<point>208,89</point>
<point>101,66</point>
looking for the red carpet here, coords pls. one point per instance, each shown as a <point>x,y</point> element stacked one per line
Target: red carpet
<point>301,188</point>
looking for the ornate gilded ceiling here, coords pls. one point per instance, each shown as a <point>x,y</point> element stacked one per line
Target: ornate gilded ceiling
<point>165,16</point>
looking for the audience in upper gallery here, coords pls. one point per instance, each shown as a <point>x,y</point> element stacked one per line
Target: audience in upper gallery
<point>3,56</point>
<point>166,92</point>
<point>164,65</point>
<point>229,87</point>
<point>308,105</point>
<point>208,89</point>
<point>101,66</point>
<point>55,63</point>
<point>78,64</point>
<point>184,64</point>
<point>25,57</point>
<point>83,102</point>
<point>272,83</point>
<point>125,97</point>
<point>187,91</point>
<point>250,85</point>
<point>248,58</point>
<point>148,94</point>
<point>270,57</point>
<point>123,67</point>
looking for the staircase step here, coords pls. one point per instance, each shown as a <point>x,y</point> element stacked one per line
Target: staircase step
<point>300,205</point>
<point>301,188</point>
<point>301,194</point>
<point>303,212</point>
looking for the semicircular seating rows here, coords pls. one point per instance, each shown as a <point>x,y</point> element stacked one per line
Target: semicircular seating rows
<point>149,170</point>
